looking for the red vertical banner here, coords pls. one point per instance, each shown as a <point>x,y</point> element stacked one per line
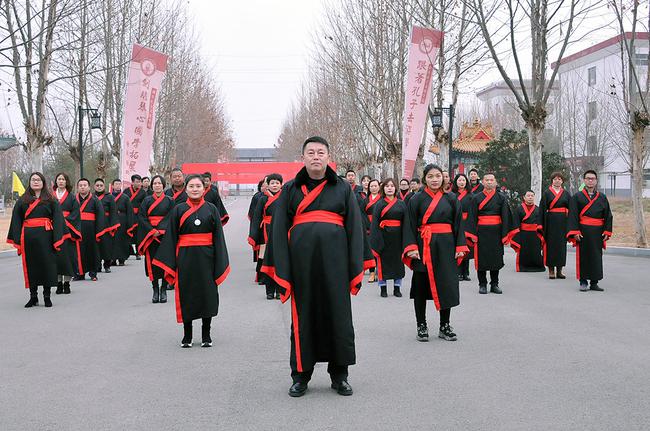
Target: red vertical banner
<point>423,51</point>
<point>146,72</point>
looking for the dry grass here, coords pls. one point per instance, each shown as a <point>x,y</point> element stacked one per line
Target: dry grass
<point>624,221</point>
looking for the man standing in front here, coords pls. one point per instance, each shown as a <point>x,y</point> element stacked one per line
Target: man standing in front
<point>317,256</point>
<point>590,227</point>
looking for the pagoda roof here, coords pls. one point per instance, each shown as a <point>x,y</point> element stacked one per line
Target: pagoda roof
<point>473,138</point>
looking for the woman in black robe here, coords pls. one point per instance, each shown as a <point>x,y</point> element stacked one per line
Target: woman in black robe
<point>194,257</point>
<point>66,260</point>
<point>152,222</point>
<point>260,231</point>
<point>434,243</point>
<point>386,241</point>
<point>261,188</point>
<point>526,237</point>
<point>37,231</point>
<point>367,207</point>
<point>554,214</point>
<point>107,242</point>
<point>464,196</point>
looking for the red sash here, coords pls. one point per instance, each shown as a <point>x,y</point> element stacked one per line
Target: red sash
<point>487,220</point>
<point>194,239</point>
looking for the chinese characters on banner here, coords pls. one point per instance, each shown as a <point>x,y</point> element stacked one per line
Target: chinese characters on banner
<point>423,51</point>
<point>146,72</point>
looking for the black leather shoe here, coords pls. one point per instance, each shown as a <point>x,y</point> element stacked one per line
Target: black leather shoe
<point>396,292</point>
<point>66,287</point>
<point>59,288</point>
<point>163,295</point>
<point>298,389</point>
<point>494,288</point>
<point>32,302</point>
<point>466,278</point>
<point>596,287</point>
<point>107,270</point>
<point>342,388</point>
<point>482,289</point>
<point>269,296</point>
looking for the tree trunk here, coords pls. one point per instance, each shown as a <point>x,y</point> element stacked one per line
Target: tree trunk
<point>35,151</point>
<point>637,156</point>
<point>535,150</point>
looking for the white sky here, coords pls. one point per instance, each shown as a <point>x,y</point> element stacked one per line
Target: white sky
<point>259,49</point>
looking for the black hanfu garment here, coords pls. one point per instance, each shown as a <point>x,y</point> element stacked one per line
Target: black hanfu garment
<point>592,218</point>
<point>211,195</point>
<point>128,222</point>
<point>554,214</point>
<point>251,211</point>
<point>435,229</point>
<point>66,259</point>
<point>405,196</point>
<point>136,197</point>
<point>178,196</point>
<point>317,255</point>
<point>465,199</point>
<point>367,206</point>
<point>388,221</point>
<point>526,238</point>
<point>488,222</point>
<point>92,230</point>
<point>260,227</point>
<point>194,257</point>
<point>152,219</point>
<point>111,225</point>
<point>476,188</point>
<point>37,232</point>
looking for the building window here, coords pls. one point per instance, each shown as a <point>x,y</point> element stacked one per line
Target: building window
<point>592,111</point>
<point>592,145</point>
<point>591,76</point>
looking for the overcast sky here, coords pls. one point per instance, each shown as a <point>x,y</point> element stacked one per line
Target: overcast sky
<point>259,49</point>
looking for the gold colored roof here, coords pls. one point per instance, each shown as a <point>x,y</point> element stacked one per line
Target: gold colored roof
<point>473,138</point>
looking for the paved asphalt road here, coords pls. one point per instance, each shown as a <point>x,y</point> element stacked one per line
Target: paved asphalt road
<point>543,356</point>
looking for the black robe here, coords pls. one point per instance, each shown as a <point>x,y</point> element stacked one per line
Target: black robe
<point>260,228</point>
<point>592,218</point>
<point>128,222</point>
<point>465,199</point>
<point>212,195</point>
<point>194,257</point>
<point>404,196</point>
<point>153,217</point>
<point>251,210</point>
<point>178,197</point>
<point>435,229</point>
<point>136,197</point>
<point>92,230</point>
<point>388,221</point>
<point>526,239</point>
<point>367,207</point>
<point>111,225</point>
<point>37,231</point>
<point>476,188</point>
<point>66,259</point>
<point>317,255</point>
<point>489,223</point>
<point>554,214</point>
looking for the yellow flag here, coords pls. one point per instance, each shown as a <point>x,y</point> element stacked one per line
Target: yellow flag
<point>16,185</point>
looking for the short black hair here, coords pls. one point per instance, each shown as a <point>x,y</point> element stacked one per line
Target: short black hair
<point>98,180</point>
<point>472,170</point>
<point>316,139</point>
<point>176,170</point>
<point>415,180</point>
<point>135,177</point>
<point>404,179</point>
<point>207,175</point>
<point>162,180</point>
<point>350,170</point>
<point>276,177</point>
<point>193,177</point>
<point>589,171</point>
<point>83,179</point>
<point>529,190</point>
<point>116,180</point>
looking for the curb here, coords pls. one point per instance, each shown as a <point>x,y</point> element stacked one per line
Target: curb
<point>621,251</point>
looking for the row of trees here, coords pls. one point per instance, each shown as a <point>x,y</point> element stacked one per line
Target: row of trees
<point>355,92</point>
<point>57,55</point>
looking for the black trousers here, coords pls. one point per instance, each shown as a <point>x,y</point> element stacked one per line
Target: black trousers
<point>494,277</point>
<point>337,373</point>
<point>420,305</point>
<point>463,269</point>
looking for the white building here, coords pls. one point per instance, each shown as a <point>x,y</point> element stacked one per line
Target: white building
<point>591,118</point>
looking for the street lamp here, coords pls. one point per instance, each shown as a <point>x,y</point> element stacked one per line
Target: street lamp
<point>95,123</point>
<point>435,116</point>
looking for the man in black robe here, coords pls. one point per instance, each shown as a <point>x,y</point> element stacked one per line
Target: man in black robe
<point>488,229</point>
<point>92,228</point>
<point>475,185</point>
<point>317,255</point>
<point>526,236</point>
<point>590,227</point>
<point>211,194</point>
<point>136,194</point>
<point>112,224</point>
<point>126,218</point>
<point>177,189</point>
<point>415,186</point>
<point>351,178</point>
<point>404,192</point>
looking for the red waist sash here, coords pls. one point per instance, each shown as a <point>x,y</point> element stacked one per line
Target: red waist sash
<point>88,216</point>
<point>590,221</point>
<point>489,220</point>
<point>428,229</point>
<point>465,214</point>
<point>425,232</point>
<point>318,216</point>
<point>194,239</point>
<point>389,223</point>
<point>530,227</point>
<point>66,213</point>
<point>38,222</point>
<point>155,220</point>
<point>559,210</point>
<point>136,210</point>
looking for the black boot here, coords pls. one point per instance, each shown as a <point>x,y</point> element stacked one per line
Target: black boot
<point>397,292</point>
<point>66,287</point>
<point>59,288</point>
<point>384,293</point>
<point>494,288</point>
<point>46,296</point>
<point>482,289</point>
<point>163,294</point>
<point>33,297</point>
<point>156,292</point>
<point>206,340</point>
<point>186,343</point>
